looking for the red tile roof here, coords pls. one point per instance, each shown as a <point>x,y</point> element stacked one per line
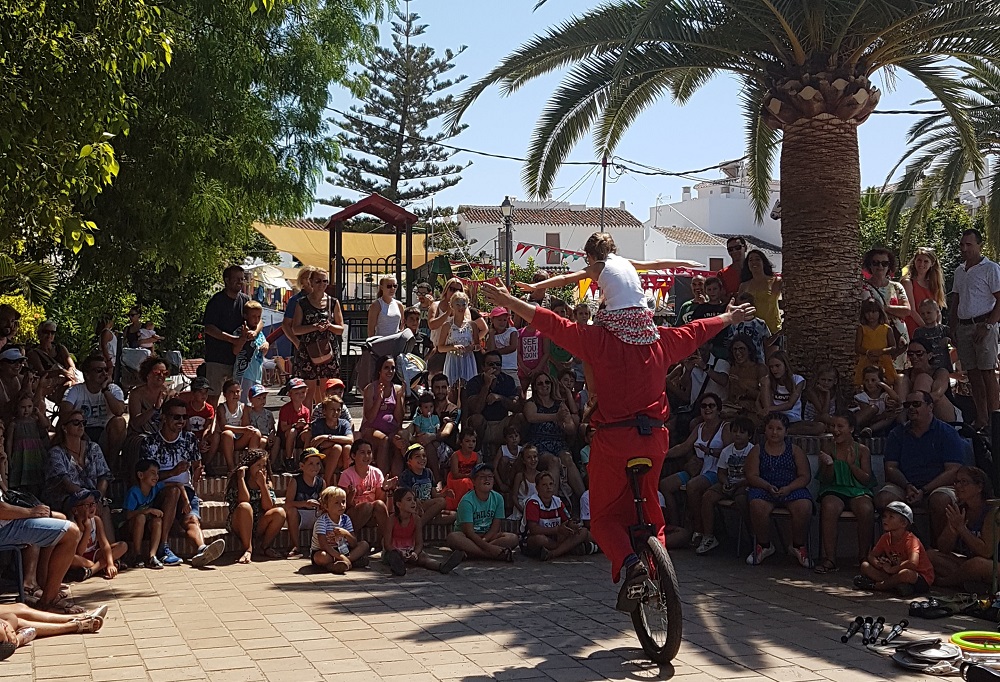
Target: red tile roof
<point>613,217</point>
<point>690,235</point>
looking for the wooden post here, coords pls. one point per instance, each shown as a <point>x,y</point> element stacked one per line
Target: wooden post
<point>409,263</point>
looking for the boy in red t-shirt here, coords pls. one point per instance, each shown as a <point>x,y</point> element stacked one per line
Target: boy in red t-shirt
<point>293,417</point>
<point>546,529</point>
<point>898,561</point>
<point>201,416</point>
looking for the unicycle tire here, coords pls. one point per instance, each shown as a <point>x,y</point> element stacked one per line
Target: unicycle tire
<point>657,619</point>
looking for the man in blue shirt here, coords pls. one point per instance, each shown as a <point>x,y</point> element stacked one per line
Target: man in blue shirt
<point>921,460</point>
<point>492,399</point>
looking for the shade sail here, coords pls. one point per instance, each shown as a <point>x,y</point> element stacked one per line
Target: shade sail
<point>311,245</point>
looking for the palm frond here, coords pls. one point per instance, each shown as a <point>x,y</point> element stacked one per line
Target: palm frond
<point>35,281</point>
<point>762,144</point>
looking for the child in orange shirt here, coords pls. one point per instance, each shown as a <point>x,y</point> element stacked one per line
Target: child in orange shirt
<point>459,479</point>
<point>898,561</point>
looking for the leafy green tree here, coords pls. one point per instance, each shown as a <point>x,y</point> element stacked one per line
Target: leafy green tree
<point>804,71</point>
<point>393,147</point>
<point>66,73</point>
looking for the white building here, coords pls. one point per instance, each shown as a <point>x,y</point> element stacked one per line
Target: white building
<point>696,227</point>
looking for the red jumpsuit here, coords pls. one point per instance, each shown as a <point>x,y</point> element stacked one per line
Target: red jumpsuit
<point>629,380</point>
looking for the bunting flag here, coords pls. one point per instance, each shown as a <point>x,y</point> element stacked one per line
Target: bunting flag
<point>474,266</point>
<point>583,285</point>
<point>524,247</point>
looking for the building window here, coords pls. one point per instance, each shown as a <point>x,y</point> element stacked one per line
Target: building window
<point>715,264</point>
<point>552,241</point>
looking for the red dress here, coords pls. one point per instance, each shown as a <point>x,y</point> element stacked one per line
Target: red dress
<point>920,294</point>
<point>629,380</point>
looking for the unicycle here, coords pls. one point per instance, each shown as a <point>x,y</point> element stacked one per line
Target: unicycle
<point>657,618</point>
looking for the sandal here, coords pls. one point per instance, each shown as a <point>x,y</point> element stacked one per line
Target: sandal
<point>61,606</point>
<point>89,624</point>
<point>294,554</point>
<point>506,555</point>
<point>272,553</point>
<point>826,566</point>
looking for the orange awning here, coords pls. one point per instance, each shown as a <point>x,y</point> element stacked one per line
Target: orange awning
<point>311,244</point>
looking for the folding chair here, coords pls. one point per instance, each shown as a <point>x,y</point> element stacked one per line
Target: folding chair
<point>19,565</point>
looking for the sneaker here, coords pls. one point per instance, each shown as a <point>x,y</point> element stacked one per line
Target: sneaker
<point>153,563</point>
<point>453,560</point>
<point>801,555</point>
<point>396,563</point>
<point>589,547</point>
<point>708,543</point>
<point>168,558</point>
<point>863,582</point>
<point>758,555</point>
<point>208,554</point>
<point>696,539</point>
<point>632,588</point>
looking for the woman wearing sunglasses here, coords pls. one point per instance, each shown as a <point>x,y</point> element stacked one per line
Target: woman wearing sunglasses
<point>76,463</point>
<point>144,403</point>
<point>385,314</point>
<point>879,287</point>
<point>439,317</point>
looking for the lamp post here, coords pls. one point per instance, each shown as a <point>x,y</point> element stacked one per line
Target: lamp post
<point>507,210</point>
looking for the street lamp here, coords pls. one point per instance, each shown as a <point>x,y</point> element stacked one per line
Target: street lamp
<point>507,210</point>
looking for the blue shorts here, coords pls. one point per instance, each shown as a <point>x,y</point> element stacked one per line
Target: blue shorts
<point>712,477</point>
<point>195,503</point>
<point>39,532</point>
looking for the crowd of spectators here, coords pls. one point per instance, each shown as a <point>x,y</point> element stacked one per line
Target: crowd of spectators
<point>502,432</point>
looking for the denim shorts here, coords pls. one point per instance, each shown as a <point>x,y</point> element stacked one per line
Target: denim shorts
<point>195,503</point>
<point>39,532</point>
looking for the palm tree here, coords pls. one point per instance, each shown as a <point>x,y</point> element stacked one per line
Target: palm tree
<point>937,162</point>
<point>804,67</point>
<point>34,280</point>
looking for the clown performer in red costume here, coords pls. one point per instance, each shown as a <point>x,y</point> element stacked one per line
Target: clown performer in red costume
<point>629,378</point>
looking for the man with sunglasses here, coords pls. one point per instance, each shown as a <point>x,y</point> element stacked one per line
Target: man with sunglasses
<point>103,406</point>
<point>492,399</point>
<point>223,315</point>
<point>631,416</point>
<point>922,457</point>
<point>730,275</point>
<point>177,453</point>
<point>975,306</point>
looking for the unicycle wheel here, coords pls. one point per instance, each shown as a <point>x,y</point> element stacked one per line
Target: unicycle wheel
<point>657,620</point>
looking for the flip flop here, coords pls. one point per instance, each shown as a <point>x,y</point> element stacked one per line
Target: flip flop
<point>826,566</point>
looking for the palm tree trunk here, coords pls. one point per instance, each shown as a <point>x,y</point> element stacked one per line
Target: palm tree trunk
<point>820,190</point>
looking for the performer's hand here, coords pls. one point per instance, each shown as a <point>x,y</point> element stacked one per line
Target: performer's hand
<point>524,286</point>
<point>739,313</point>
<point>494,293</point>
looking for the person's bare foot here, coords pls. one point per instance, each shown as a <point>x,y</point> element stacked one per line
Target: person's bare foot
<point>246,558</point>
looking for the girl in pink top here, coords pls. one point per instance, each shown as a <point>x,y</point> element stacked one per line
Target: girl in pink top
<point>365,486</point>
<point>532,356</point>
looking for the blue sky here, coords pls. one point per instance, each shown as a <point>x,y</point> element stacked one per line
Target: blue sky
<point>704,132</point>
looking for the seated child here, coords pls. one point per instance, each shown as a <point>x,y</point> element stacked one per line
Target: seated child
<point>293,418</point>
<point>148,336</point>
<point>898,561</point>
<point>546,529</point>
<point>333,436</point>
<point>404,541</point>
<point>254,515</point>
<point>462,462</point>
<point>425,421</point>
<point>477,526</point>
<point>334,547</point>
<point>331,387</point>
<point>262,419</point>
<point>877,404</point>
<point>877,342</point>
<point>732,484</point>
<point>417,477</point>
<point>365,486</point>
<point>676,536</point>
<point>141,517</point>
<point>302,497</point>
<point>503,461</point>
<point>934,333</point>
<point>526,470</point>
<point>201,416</point>
<point>819,403</point>
<point>94,554</point>
<point>233,423</point>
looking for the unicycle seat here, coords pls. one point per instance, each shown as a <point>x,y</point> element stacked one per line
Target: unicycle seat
<point>639,465</point>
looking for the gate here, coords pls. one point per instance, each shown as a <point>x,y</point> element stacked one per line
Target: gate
<point>360,287</point>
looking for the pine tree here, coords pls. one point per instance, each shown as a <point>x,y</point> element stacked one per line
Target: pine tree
<point>391,147</point>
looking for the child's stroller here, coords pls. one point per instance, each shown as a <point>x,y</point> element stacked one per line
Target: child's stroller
<point>411,369</point>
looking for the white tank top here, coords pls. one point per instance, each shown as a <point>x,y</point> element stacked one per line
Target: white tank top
<point>619,282</point>
<point>388,318</point>
<point>233,418</point>
<point>710,462</point>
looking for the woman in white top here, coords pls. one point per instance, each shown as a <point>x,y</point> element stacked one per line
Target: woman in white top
<point>460,360</point>
<point>385,314</point>
<point>781,389</point>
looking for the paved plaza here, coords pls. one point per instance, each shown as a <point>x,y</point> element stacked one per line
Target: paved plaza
<point>281,622</point>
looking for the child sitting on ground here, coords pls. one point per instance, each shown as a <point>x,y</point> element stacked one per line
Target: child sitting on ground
<point>365,486</point>
<point>302,497</point>
<point>333,436</point>
<point>404,541</point>
<point>262,419</point>
<point>898,561</point>
<point>503,461</point>
<point>334,547</point>
<point>525,472</point>
<point>546,529</point>
<point>416,476</point>
<point>293,418</point>
<point>460,469</point>
<point>877,342</point>
<point>141,517</point>
<point>94,554</point>
<point>877,404</point>
<point>934,333</point>
<point>477,525</point>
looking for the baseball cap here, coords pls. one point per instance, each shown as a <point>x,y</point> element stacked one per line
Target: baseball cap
<point>12,355</point>
<point>296,382</point>
<point>200,384</point>
<point>256,390</point>
<point>332,383</point>
<point>310,452</point>
<point>902,509</point>
<point>499,311</point>
<point>480,468</point>
<point>82,495</point>
<point>412,449</point>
